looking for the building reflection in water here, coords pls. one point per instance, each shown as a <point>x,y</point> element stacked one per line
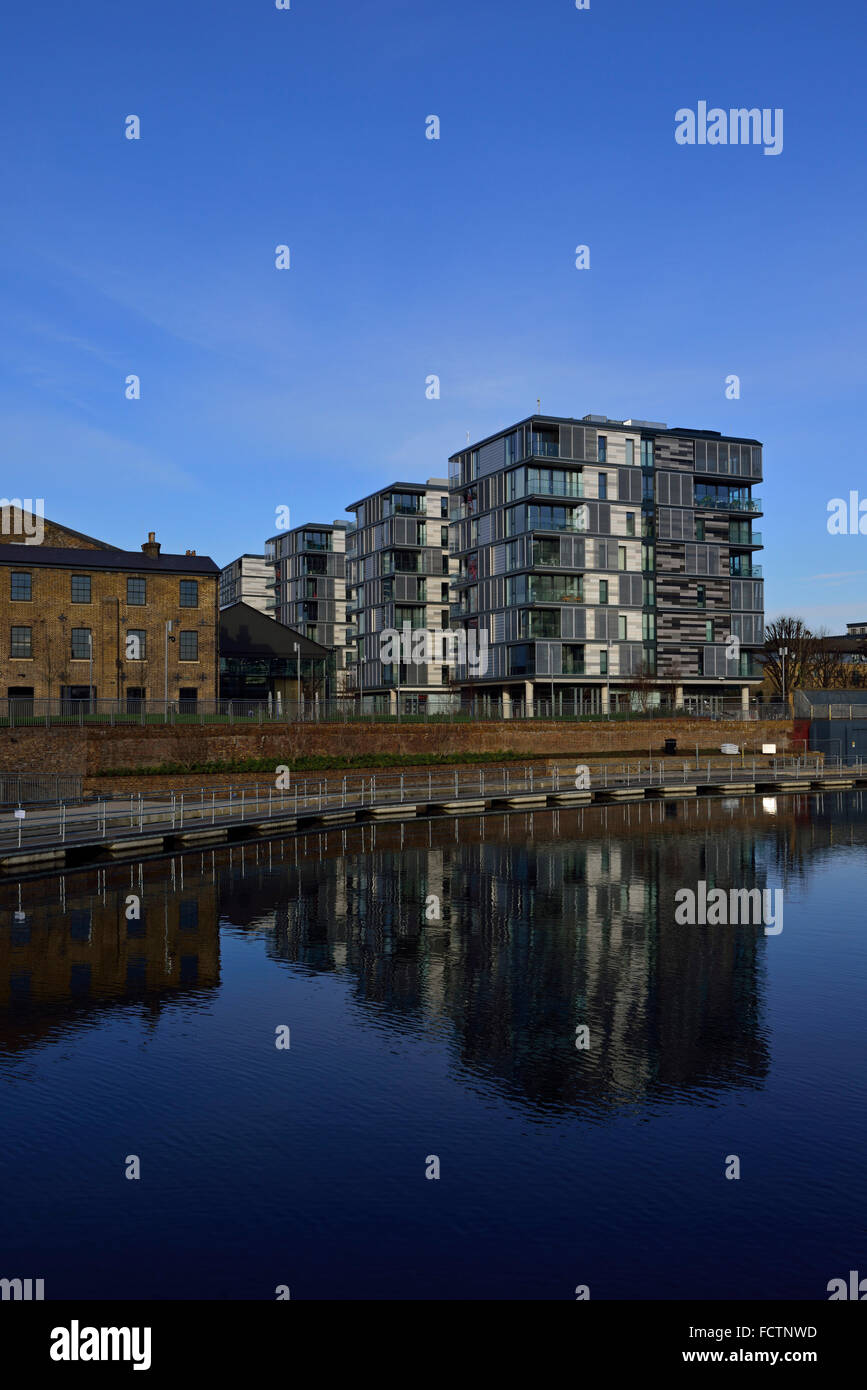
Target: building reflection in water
<point>502,933</point>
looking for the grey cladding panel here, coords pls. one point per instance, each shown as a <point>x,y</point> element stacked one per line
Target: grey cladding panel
<point>492,456</point>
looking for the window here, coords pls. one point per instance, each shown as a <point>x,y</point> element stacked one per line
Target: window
<point>81,641</point>
<point>444,618</point>
<point>190,593</point>
<point>444,593</point>
<point>630,451</point>
<point>630,523</point>
<point>621,626</point>
<point>444,675</point>
<point>603,663</point>
<point>444,536</point>
<point>708,630</point>
<point>522,660</point>
<point>21,645</point>
<point>80,588</point>
<point>573,659</point>
<point>22,590</point>
<point>648,627</point>
<point>136,644</point>
<point>444,506</point>
<point>189,646</point>
<point>621,557</point>
<point>445,564</point>
<point>647,453</point>
<point>699,529</point>
<point>136,592</point>
<point>603,486</point>
<point>601,448</point>
<point>701,596</point>
<point>603,591</point>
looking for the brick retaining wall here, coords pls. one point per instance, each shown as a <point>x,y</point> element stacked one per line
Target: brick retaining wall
<point>96,750</point>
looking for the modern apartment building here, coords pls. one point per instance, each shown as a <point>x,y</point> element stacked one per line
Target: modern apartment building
<point>249,579</point>
<point>397,580</point>
<point>609,564</point>
<point>308,575</point>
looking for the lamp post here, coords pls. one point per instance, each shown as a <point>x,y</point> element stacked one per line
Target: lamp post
<point>784,652</point>
<point>168,639</point>
<point>298,679</point>
<point>90,670</point>
<point>608,677</point>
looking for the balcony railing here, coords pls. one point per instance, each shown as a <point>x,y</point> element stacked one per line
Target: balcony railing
<point>543,489</point>
<point>730,504</point>
<point>543,448</point>
<point>754,572</point>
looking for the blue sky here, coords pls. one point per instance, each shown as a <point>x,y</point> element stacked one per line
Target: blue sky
<point>306,388</point>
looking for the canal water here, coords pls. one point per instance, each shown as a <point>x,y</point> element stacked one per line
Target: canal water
<point>427,985</point>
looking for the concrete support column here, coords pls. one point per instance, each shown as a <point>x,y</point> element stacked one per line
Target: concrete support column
<point>528,698</point>
<point>678,697</point>
<point>745,699</point>
<point>392,702</point>
<point>507,705</point>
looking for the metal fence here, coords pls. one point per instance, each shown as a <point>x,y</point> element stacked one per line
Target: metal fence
<point>38,788</point>
<point>131,815</point>
<point>18,713</point>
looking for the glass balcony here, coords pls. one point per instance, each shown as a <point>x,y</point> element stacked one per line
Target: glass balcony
<point>543,448</point>
<point>729,504</point>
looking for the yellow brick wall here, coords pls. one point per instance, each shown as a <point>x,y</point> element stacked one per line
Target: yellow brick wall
<point>50,614</point>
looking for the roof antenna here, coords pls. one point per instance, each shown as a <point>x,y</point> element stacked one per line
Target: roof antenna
<point>468,436</point>
<point>539,405</point>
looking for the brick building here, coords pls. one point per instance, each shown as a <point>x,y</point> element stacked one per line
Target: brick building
<point>81,619</point>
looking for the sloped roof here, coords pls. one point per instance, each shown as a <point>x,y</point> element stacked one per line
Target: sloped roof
<point>69,558</point>
<point>245,631</point>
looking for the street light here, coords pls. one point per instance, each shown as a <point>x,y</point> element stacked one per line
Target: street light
<point>608,677</point>
<point>168,639</point>
<point>90,671</point>
<point>298,678</point>
<point>784,652</point>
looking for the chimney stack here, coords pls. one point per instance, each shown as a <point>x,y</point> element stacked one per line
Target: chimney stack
<point>151,546</point>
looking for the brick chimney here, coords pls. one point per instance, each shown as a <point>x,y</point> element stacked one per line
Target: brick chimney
<point>151,546</point>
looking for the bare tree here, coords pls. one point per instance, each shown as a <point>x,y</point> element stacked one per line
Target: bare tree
<point>792,634</point>
<point>641,687</point>
<point>828,670</point>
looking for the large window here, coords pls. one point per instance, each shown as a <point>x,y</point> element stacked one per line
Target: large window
<point>554,482</point>
<point>189,593</point>
<point>522,660</point>
<point>189,646</point>
<point>542,622</point>
<point>603,591</point>
<point>546,552</point>
<point>555,588</point>
<point>21,645</point>
<point>404,504</point>
<point>316,540</point>
<point>136,592</point>
<point>603,487</point>
<point>573,659</point>
<point>601,448</point>
<point>22,588</point>
<point>80,588</point>
<point>81,640</point>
